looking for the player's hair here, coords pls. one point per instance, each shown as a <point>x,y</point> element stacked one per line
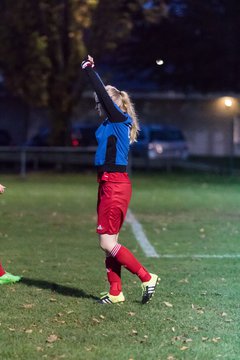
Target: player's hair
<point>123,101</point>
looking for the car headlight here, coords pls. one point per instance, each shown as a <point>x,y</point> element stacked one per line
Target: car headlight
<point>159,148</point>
<point>156,147</point>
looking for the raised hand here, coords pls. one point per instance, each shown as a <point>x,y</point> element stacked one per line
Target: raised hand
<point>2,189</point>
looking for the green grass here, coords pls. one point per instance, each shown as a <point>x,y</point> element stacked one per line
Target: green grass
<point>47,233</point>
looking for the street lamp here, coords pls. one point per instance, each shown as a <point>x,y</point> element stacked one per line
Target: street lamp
<point>228,102</point>
<point>159,62</point>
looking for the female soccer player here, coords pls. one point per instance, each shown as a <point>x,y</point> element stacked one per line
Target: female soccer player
<point>5,277</point>
<point>114,135</point>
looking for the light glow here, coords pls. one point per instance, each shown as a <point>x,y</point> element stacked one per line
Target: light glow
<point>159,62</point>
<point>228,102</point>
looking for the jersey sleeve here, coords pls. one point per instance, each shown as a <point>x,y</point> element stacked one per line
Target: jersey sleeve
<point>114,114</point>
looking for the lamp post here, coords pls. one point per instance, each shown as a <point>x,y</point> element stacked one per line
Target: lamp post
<point>228,102</point>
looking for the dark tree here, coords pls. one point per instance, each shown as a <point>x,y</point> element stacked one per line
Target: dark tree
<point>198,40</point>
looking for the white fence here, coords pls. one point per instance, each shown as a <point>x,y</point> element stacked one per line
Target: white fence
<point>23,159</point>
<point>39,156</point>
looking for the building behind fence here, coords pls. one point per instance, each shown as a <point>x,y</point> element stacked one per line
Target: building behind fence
<point>205,121</point>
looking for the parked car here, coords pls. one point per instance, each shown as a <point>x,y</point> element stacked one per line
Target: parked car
<point>156,143</point>
<point>160,142</point>
<point>41,138</point>
<point>83,135</point>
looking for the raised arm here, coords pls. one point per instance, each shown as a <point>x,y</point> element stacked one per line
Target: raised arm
<point>113,113</point>
<point>2,188</point>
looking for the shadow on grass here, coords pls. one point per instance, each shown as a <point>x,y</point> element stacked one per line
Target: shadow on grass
<point>61,289</point>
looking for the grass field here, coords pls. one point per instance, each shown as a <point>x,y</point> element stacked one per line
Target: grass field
<point>47,233</point>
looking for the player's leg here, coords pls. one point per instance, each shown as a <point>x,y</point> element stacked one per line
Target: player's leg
<point>123,256</point>
<point>104,226</point>
<point>126,258</point>
<point>112,209</point>
<point>113,268</point>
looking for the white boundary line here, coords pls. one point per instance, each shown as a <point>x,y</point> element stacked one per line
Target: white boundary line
<point>149,250</point>
<point>200,256</point>
<point>140,236</point>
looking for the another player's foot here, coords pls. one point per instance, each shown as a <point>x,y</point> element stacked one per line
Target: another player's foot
<point>8,278</point>
<point>149,287</point>
<point>107,298</point>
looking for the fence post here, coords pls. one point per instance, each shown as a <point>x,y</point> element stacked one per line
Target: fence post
<point>23,158</point>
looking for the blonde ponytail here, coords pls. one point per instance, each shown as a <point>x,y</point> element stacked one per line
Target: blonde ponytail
<point>122,99</point>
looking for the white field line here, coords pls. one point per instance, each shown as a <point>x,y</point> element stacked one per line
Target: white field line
<point>140,236</point>
<point>200,256</point>
<point>149,250</point>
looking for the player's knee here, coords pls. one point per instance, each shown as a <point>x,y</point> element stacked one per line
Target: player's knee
<point>107,242</point>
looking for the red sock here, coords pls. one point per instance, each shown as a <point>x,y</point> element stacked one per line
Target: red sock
<point>114,275</point>
<point>128,260</point>
<point>2,271</point>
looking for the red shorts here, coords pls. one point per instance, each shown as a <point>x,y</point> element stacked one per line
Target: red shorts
<point>113,201</point>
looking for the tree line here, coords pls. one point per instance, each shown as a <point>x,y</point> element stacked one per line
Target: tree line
<point>44,41</point>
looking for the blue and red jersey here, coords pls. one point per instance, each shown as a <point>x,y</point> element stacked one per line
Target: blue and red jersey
<point>113,135</point>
